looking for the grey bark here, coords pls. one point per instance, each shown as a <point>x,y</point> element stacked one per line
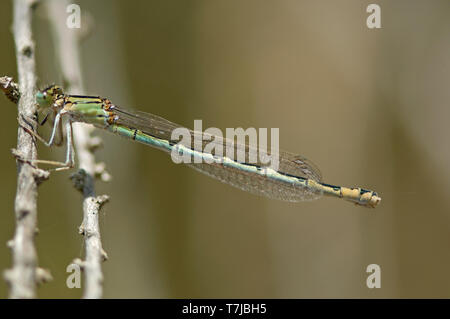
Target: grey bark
<point>24,274</point>
<point>67,42</point>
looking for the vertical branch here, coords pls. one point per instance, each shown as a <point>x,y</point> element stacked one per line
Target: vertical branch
<point>24,274</point>
<point>66,40</point>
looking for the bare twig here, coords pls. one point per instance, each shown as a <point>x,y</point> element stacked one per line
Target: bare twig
<point>10,88</point>
<point>23,275</point>
<point>68,53</point>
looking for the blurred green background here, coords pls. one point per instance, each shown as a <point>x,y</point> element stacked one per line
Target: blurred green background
<point>369,107</point>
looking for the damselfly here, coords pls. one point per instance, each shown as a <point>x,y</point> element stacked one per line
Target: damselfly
<point>296,178</point>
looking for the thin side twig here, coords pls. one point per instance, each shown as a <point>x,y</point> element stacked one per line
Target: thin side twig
<point>24,274</point>
<point>10,88</point>
<point>69,59</point>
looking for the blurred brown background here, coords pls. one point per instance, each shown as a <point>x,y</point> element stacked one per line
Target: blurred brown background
<point>369,107</point>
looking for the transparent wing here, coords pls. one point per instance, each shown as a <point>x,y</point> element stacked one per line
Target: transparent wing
<point>289,164</point>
